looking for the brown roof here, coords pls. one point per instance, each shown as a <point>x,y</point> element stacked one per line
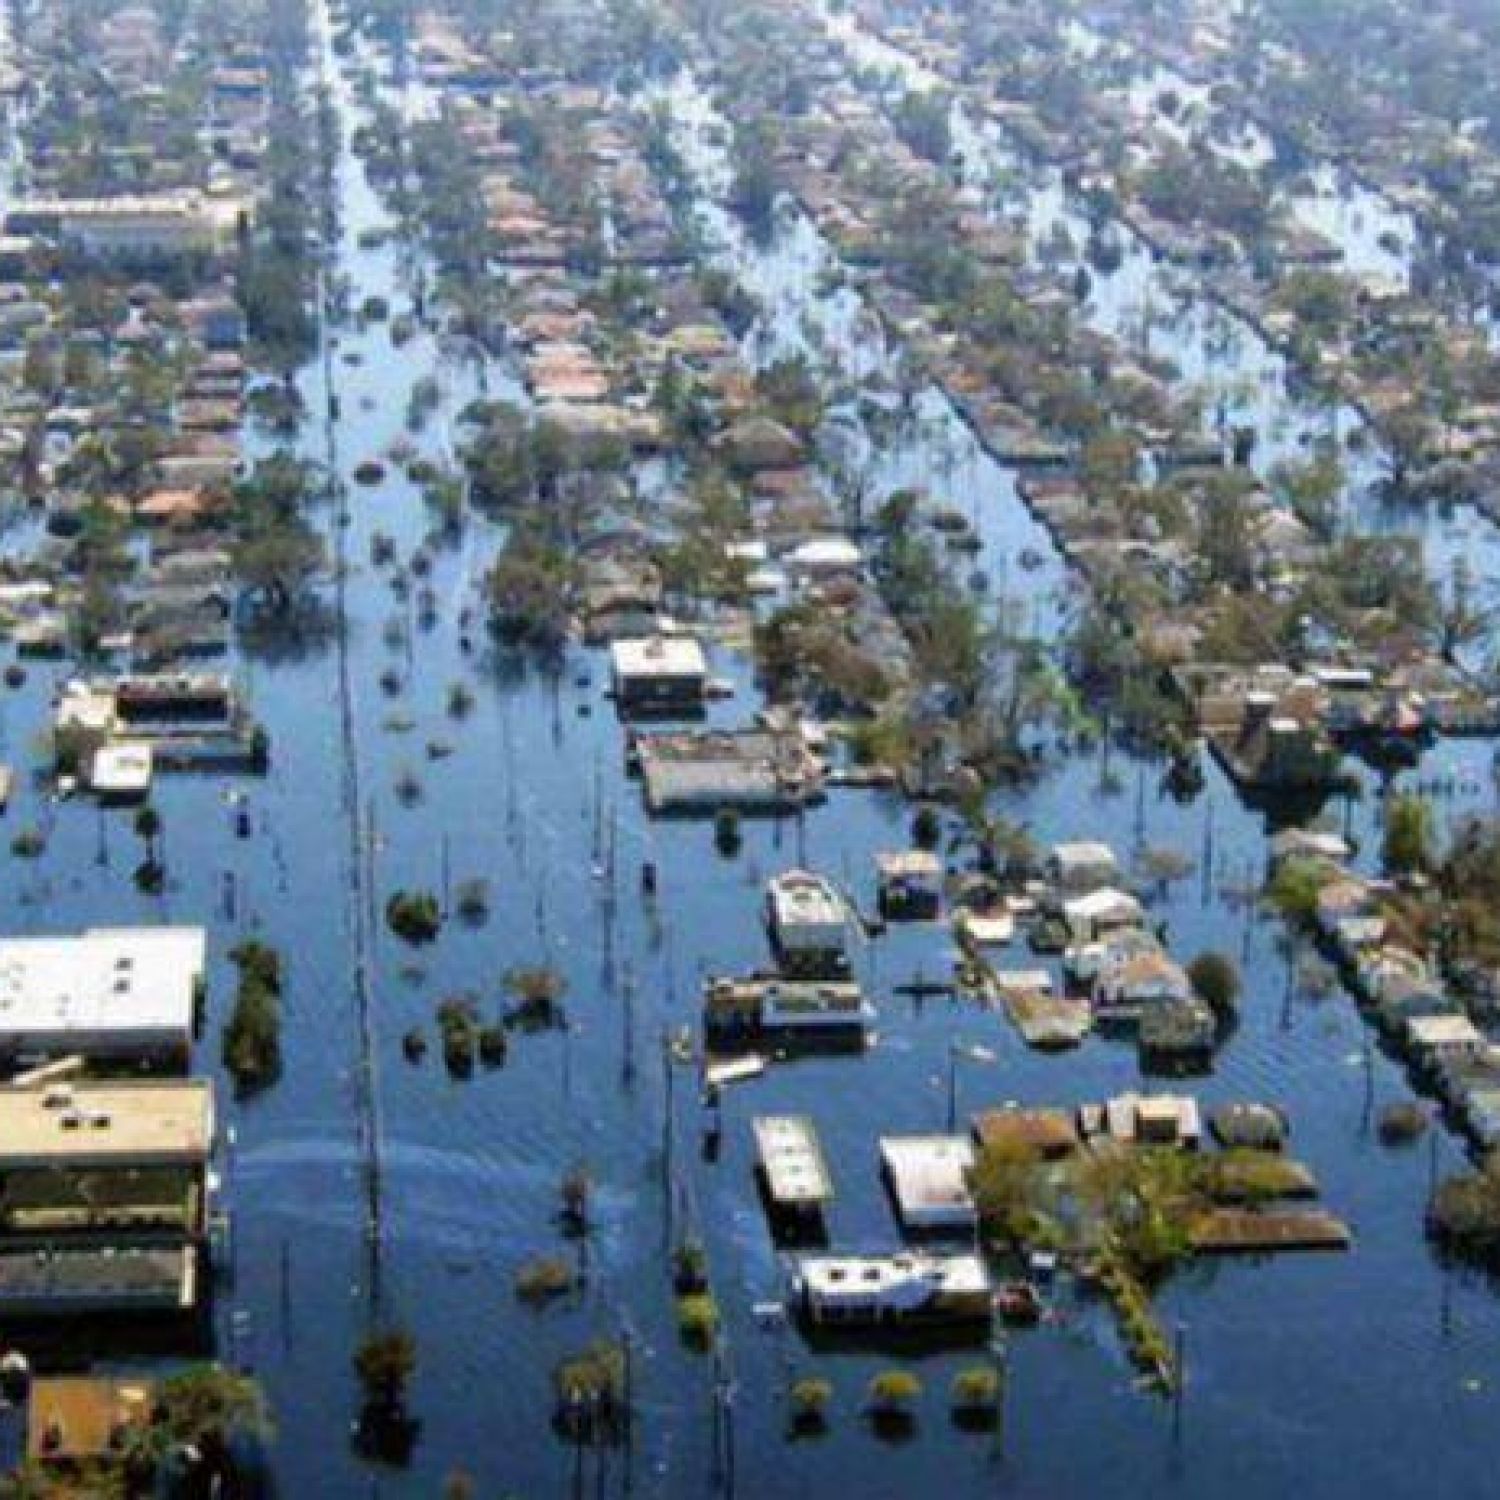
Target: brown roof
<point>173,505</point>
<point>1048,1132</point>
<point>74,1417</point>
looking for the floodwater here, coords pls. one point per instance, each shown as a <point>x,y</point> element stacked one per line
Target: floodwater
<point>1163,310</point>
<point>1293,1364</point>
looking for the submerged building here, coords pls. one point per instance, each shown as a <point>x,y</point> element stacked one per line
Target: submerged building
<point>117,995</point>
<point>105,1197</point>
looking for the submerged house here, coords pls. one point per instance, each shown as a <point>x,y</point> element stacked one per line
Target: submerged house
<point>908,1287</point>
<point>753,770</point>
<point>910,884</point>
<point>1125,991</point>
<point>658,672</point>
<point>188,720</point>
<point>1144,1119</point>
<point>1082,866</point>
<point>808,923</point>
<point>1089,918</point>
<point>815,1011</point>
<point>928,1177</point>
<point>793,1170</point>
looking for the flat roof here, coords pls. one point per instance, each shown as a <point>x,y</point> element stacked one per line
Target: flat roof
<point>108,1278</point>
<point>108,981</point>
<point>792,1160</point>
<point>76,1416</point>
<point>929,1174</point>
<point>1048,1131</point>
<point>1101,903</point>
<point>802,899</point>
<point>877,1275</point>
<point>909,864</point>
<point>658,656</point>
<point>121,768</point>
<point>1440,1030</point>
<point>173,201</point>
<point>1125,1116</point>
<point>1084,852</point>
<point>102,1124</point>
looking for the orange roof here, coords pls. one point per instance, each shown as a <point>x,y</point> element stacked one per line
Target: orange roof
<point>74,1417</point>
<point>173,505</point>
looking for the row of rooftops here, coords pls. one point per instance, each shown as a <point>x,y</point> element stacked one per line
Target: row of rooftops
<point>929,1174</point>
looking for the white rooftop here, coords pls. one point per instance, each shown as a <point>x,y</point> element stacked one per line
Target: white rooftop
<point>905,1279</point>
<point>1102,903</point>
<point>792,1160</point>
<point>106,985</point>
<point>1444,1031</point>
<point>830,553</point>
<point>801,899</point>
<point>121,770</point>
<point>658,656</point>
<point>1084,852</point>
<point>929,1177</point>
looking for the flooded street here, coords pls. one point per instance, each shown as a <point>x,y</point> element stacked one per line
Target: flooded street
<point>368,1189</point>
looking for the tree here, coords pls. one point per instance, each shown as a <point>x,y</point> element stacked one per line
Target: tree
<point>530,588</point>
<point>1408,435</point>
<point>538,991</point>
<point>414,916</point>
<point>276,560</point>
<point>1465,1214</point>
<point>728,837</point>
<point>591,1393</point>
<point>926,827</point>
<point>205,1405</point>
<point>1006,1185</point>
<point>1109,462</point>
<point>922,121</point>
<point>251,1046</point>
<point>809,1398</point>
<point>148,824</point>
<point>753,191</point>
<point>384,1364</point>
<point>1293,889</point>
<point>976,1389</point>
<point>1407,847</point>
<point>1216,982</point>
<point>197,1417</point>
<point>1001,846</point>
<point>275,550</point>
<point>1224,531</point>
<point>1313,490</point>
<point>893,1394</point>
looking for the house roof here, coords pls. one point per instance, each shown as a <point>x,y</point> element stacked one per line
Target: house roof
<point>1046,1131</point>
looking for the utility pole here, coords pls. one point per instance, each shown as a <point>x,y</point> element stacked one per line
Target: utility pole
<point>1000,1354</point>
<point>1179,1384</point>
<point>627,1357</point>
<point>667,1121</point>
<point>627,1007</point>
